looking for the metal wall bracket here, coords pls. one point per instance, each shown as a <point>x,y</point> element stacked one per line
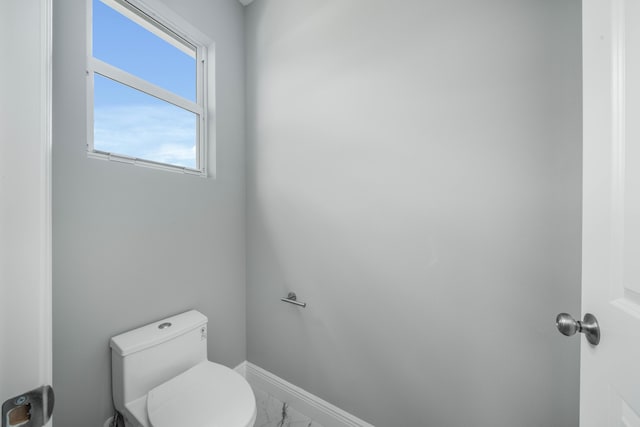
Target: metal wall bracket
<point>31,409</point>
<point>292,298</point>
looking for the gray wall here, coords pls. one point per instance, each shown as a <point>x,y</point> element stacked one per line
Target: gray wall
<point>414,174</point>
<point>132,245</point>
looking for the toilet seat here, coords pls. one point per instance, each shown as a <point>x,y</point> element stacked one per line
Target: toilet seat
<point>207,395</point>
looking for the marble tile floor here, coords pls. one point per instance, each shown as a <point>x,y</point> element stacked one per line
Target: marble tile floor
<point>274,413</point>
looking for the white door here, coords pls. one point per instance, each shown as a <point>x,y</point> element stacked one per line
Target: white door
<point>25,230</point>
<point>610,371</point>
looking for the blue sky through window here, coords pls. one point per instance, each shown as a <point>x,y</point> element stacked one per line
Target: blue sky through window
<point>130,122</point>
<point>142,126</point>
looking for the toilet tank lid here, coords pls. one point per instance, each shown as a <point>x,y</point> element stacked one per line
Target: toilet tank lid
<point>157,332</point>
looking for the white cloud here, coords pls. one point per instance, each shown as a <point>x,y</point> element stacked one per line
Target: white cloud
<point>162,133</point>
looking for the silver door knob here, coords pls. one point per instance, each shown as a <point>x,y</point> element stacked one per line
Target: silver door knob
<point>568,326</point>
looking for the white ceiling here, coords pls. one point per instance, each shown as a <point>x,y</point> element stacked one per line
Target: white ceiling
<point>245,2</point>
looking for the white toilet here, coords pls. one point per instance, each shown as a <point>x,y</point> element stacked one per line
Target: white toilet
<point>162,378</point>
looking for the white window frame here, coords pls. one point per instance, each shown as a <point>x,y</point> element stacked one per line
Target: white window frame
<point>178,33</point>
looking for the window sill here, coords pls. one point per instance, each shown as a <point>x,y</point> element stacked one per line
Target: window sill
<point>145,163</point>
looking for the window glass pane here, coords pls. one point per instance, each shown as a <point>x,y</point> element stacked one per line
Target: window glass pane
<point>119,41</point>
<point>132,123</point>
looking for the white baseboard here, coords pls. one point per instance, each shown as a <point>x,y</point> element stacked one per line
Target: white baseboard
<point>308,404</point>
<point>242,369</point>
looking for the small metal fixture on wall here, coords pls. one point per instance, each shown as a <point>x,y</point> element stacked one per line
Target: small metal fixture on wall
<point>292,298</point>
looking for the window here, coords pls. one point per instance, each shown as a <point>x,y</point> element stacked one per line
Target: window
<point>147,90</point>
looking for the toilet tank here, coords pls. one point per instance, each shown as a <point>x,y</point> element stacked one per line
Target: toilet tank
<point>146,357</point>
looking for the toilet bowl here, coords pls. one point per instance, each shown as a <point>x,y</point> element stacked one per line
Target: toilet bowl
<point>162,378</point>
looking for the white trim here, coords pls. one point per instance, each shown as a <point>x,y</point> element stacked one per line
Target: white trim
<point>120,158</point>
<point>209,150</point>
<point>202,64</point>
<point>242,369</point>
<point>46,190</point>
<point>174,22</point>
<point>137,15</point>
<point>618,143</point>
<point>312,406</point>
<point>121,76</point>
<point>90,78</point>
<point>46,251</point>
